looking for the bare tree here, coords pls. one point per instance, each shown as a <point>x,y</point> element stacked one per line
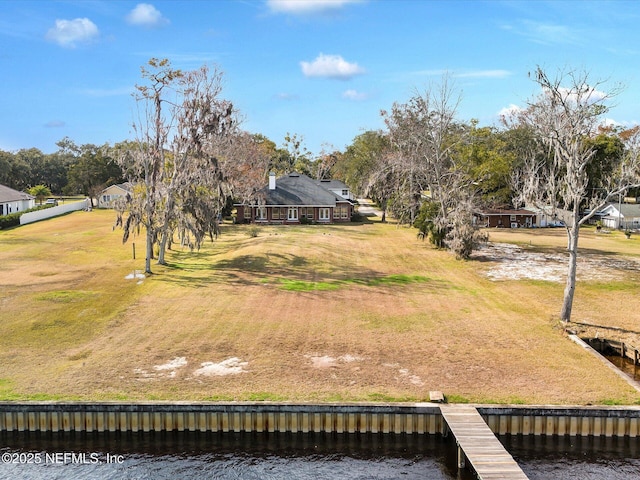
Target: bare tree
<point>193,192</point>
<point>425,133</point>
<point>326,161</point>
<point>173,163</point>
<point>384,182</point>
<point>246,161</point>
<point>564,116</point>
<point>144,160</point>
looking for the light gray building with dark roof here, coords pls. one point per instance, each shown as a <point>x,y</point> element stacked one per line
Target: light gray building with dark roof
<point>625,215</point>
<point>296,198</point>
<point>12,201</point>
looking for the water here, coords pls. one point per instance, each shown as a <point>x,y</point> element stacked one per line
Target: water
<point>623,363</point>
<point>228,456</point>
<point>626,365</point>
<point>575,458</point>
<point>302,456</point>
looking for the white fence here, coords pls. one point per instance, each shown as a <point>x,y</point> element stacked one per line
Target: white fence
<point>54,211</point>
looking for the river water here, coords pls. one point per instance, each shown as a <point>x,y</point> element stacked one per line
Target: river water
<point>297,456</point>
<point>227,456</point>
<point>626,365</point>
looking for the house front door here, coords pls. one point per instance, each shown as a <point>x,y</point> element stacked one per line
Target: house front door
<point>323,214</point>
<point>292,214</point>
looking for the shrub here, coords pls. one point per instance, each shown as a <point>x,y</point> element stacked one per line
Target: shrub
<point>13,219</point>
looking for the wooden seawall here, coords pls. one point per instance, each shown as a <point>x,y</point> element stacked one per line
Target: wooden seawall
<point>214,417</point>
<point>417,418</point>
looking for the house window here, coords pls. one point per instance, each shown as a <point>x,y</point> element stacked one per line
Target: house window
<point>307,212</point>
<point>247,212</point>
<point>323,214</point>
<point>341,211</point>
<point>261,213</point>
<point>345,193</point>
<point>512,218</point>
<point>275,213</point>
<point>292,213</point>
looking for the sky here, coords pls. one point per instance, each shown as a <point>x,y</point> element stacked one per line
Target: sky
<point>320,69</point>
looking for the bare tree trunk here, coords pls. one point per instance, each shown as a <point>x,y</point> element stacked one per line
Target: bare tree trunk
<point>570,287</point>
<point>163,246</point>
<point>149,256</point>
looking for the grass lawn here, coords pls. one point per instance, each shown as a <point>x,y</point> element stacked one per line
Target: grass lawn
<point>357,312</point>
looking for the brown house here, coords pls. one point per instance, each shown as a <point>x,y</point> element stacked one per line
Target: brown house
<point>295,199</point>
<point>504,218</point>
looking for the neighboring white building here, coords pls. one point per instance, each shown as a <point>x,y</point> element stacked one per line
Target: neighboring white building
<point>550,217</point>
<point>12,201</point>
<point>112,193</point>
<point>338,187</point>
<point>626,215</point>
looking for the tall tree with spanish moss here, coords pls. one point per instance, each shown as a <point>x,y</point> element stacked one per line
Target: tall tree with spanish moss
<point>565,117</point>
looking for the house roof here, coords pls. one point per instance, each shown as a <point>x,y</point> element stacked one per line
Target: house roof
<point>628,210</point>
<point>10,195</point>
<point>299,189</point>
<point>126,186</point>
<point>334,184</point>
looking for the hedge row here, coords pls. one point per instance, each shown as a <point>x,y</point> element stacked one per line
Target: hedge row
<point>13,219</point>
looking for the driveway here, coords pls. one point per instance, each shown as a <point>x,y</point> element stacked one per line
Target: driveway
<point>367,208</point>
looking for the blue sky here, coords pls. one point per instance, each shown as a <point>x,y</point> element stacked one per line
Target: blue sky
<point>320,69</point>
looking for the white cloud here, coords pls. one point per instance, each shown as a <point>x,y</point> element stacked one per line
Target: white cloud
<point>68,33</point>
<point>55,124</point>
<point>331,66</point>
<point>303,7</point>
<point>610,122</point>
<point>509,112</point>
<point>484,74</point>
<point>586,96</point>
<point>354,95</point>
<point>430,73</point>
<point>146,15</point>
<point>287,96</point>
<point>546,33</point>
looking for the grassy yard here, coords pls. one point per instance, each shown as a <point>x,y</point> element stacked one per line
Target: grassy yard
<point>358,312</point>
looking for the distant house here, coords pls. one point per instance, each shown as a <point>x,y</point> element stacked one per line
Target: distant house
<point>296,198</point>
<point>12,201</point>
<point>505,218</point>
<point>626,215</point>
<point>112,193</point>
<point>549,216</point>
<point>339,188</point>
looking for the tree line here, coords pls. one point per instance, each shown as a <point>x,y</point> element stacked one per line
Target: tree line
<point>428,168</point>
<point>557,153</point>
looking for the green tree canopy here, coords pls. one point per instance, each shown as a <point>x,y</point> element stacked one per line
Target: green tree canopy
<point>40,192</point>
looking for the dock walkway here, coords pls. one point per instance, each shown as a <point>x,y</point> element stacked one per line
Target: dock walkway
<point>477,443</point>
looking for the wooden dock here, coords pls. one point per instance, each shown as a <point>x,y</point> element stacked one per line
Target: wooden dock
<point>478,445</point>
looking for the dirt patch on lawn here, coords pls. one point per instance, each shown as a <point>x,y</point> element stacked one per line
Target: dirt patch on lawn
<point>513,262</point>
<point>171,369</point>
<point>326,361</point>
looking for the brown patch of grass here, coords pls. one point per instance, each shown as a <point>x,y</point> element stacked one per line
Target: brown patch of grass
<point>448,329</point>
